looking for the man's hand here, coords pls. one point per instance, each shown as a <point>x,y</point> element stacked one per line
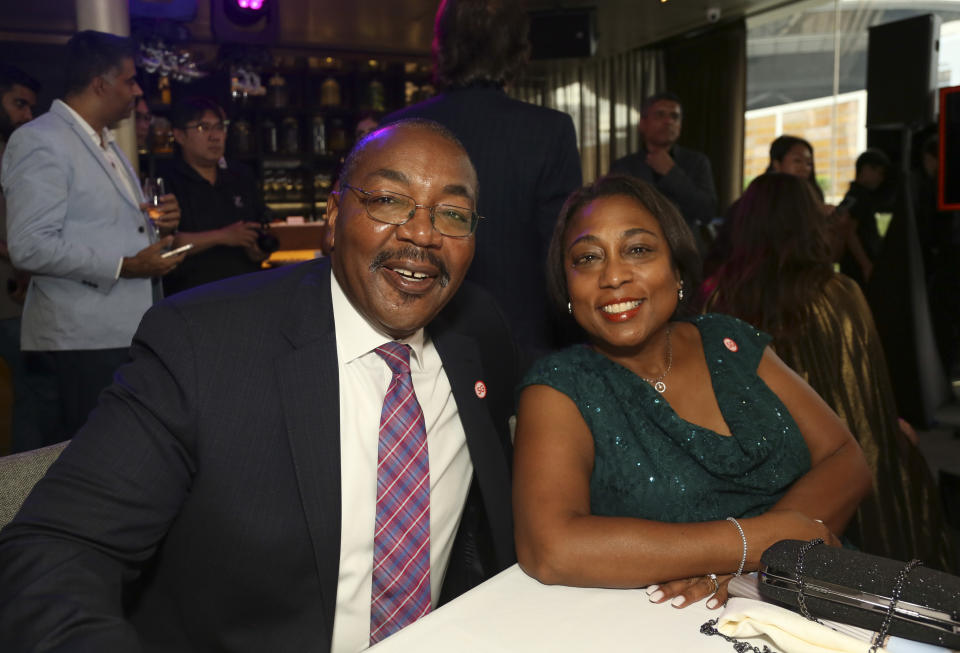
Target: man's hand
<point>256,254</point>
<point>660,161</point>
<point>239,234</point>
<point>166,217</point>
<point>17,286</point>
<point>148,262</point>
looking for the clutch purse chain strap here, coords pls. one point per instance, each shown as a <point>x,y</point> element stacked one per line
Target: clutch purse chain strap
<point>894,596</point>
<point>710,628</point>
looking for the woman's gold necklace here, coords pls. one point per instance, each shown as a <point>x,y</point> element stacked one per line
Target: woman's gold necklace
<point>658,383</point>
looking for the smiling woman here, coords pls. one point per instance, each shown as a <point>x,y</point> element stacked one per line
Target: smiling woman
<point>668,450</point>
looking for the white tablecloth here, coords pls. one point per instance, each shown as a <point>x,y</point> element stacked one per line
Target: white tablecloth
<point>513,612</point>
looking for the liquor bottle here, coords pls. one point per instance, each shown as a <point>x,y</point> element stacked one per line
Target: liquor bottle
<point>279,91</point>
<point>338,136</point>
<point>330,93</point>
<point>240,137</point>
<point>318,135</point>
<point>290,132</point>
<point>269,136</point>
<point>375,95</point>
<point>164,91</point>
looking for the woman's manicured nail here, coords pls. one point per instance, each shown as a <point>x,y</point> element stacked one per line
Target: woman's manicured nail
<point>657,596</point>
<point>678,601</point>
<point>713,603</point>
<point>651,589</point>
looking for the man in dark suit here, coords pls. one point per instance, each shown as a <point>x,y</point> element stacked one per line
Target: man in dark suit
<point>682,174</point>
<point>223,494</point>
<point>526,156</point>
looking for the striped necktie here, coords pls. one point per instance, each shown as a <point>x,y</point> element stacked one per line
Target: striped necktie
<point>401,540</point>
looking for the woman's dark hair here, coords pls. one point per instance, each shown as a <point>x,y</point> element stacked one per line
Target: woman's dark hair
<point>779,148</point>
<point>779,257</point>
<point>684,255</point>
<point>191,109</point>
<point>479,42</point>
<point>90,54</point>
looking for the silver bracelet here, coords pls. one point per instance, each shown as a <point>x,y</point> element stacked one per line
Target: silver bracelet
<point>743,558</point>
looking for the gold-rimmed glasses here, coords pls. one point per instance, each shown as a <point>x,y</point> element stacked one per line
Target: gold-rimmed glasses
<point>396,208</point>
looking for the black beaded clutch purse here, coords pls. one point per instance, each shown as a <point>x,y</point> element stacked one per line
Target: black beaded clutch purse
<point>887,596</point>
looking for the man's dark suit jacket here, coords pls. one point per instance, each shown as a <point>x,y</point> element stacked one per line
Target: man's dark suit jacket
<point>689,184</point>
<point>527,163</point>
<point>202,499</point>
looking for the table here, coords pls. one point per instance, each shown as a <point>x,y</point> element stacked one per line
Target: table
<point>513,612</point>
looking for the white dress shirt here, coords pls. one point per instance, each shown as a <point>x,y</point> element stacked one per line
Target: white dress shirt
<point>364,380</point>
<point>120,168</point>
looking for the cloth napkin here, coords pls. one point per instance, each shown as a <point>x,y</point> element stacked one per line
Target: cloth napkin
<point>788,631</point>
<point>746,616</point>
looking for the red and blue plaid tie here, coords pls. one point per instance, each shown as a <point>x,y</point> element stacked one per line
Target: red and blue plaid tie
<point>401,541</point>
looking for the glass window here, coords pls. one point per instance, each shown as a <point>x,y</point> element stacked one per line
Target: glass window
<point>807,72</point>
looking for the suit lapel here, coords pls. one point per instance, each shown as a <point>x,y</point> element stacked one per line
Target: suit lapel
<point>97,153</point>
<point>464,369</point>
<point>309,387</point>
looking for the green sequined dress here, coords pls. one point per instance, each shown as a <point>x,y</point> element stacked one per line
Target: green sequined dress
<point>650,463</point>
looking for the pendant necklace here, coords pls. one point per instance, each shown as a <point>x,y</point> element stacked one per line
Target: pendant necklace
<point>658,383</point>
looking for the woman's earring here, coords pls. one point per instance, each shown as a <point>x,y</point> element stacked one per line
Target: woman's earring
<point>680,292</point>
<point>570,308</point>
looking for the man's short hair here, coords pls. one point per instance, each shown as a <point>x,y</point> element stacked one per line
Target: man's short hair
<point>11,76</point>
<point>353,158</point>
<point>659,97</point>
<point>91,54</point>
<point>873,157</point>
<point>479,41</point>
<point>192,109</point>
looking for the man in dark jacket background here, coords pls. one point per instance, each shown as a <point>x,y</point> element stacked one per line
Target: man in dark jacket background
<point>525,155</point>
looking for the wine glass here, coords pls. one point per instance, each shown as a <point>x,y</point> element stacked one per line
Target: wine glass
<point>153,190</point>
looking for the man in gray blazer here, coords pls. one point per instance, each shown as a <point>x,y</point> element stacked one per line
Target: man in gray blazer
<point>75,220</point>
<point>222,495</point>
<point>682,174</point>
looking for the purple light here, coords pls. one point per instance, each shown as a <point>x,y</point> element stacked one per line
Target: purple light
<point>253,5</point>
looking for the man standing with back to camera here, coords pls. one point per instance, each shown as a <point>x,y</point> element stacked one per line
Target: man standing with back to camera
<point>304,459</point>
<point>526,156</point>
<point>75,221</point>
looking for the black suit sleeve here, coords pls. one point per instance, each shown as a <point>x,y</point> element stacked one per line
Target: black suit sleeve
<point>104,506</point>
<point>561,176</point>
<point>623,166</point>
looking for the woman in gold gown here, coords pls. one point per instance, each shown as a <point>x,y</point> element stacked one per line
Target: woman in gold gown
<point>778,277</point>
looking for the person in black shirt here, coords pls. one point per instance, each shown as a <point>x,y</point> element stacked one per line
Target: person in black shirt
<point>864,200</point>
<point>220,202</point>
<point>683,175</point>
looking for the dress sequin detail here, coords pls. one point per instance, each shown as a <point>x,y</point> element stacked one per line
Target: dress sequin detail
<point>651,463</point>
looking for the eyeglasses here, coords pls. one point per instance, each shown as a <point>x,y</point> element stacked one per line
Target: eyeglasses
<point>209,127</point>
<point>396,208</point>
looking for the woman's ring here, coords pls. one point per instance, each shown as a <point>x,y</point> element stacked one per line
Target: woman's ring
<point>818,520</point>
<point>716,583</point>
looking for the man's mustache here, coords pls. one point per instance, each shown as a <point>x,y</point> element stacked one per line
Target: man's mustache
<point>414,254</point>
